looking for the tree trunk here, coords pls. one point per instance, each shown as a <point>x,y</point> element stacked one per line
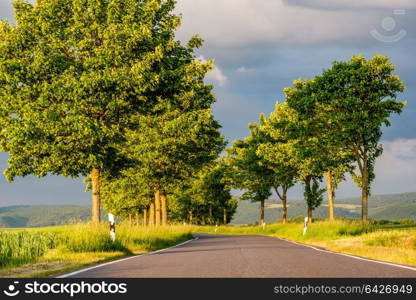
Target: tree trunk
<point>145,217</point>
<point>284,208</point>
<point>310,215</point>
<point>157,206</point>
<point>361,157</point>
<point>307,181</point>
<point>164,204</point>
<point>96,200</point>
<point>190,217</point>
<point>261,212</point>
<point>283,198</point>
<point>152,214</point>
<point>203,220</point>
<point>130,219</point>
<point>225,216</point>
<point>137,218</point>
<point>330,196</point>
<point>364,195</point>
<point>210,213</point>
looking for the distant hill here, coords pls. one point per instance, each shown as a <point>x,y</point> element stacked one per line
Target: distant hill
<point>42,215</point>
<point>394,206</point>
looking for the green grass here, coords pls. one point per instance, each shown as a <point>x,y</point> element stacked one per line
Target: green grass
<point>400,238</point>
<point>63,248</point>
<point>294,230</point>
<point>20,247</point>
<point>89,238</point>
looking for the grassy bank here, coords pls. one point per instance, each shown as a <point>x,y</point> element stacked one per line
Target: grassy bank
<point>393,242</point>
<point>50,250</point>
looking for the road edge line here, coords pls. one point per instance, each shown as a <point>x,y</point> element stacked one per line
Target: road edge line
<point>350,255</point>
<point>124,259</point>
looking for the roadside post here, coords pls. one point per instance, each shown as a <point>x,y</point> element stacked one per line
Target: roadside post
<point>112,223</point>
<point>305,225</point>
<point>264,225</point>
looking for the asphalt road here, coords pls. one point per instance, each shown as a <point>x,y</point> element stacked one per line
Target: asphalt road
<point>220,256</point>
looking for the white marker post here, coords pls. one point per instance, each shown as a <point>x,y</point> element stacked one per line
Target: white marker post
<point>305,225</point>
<point>264,225</point>
<point>112,227</point>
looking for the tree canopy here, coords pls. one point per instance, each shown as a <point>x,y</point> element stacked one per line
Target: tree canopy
<point>357,98</point>
<point>77,75</point>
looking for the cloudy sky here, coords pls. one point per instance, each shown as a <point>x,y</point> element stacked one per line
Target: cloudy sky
<point>260,47</point>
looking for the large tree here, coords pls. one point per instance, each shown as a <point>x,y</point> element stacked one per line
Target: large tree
<point>358,97</point>
<point>315,126</point>
<point>284,173</point>
<point>169,148</point>
<point>73,74</point>
<point>213,189</point>
<point>179,136</point>
<point>203,198</point>
<point>246,171</point>
<point>298,153</point>
<point>127,195</point>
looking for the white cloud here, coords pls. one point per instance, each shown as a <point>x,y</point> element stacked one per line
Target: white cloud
<point>247,22</point>
<point>395,172</point>
<point>396,168</point>
<point>404,149</point>
<point>242,69</point>
<point>216,74</point>
<point>6,11</point>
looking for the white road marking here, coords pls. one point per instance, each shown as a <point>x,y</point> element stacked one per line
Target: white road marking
<point>123,259</point>
<point>351,256</point>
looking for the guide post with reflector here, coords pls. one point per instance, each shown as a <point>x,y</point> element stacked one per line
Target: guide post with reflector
<point>112,222</point>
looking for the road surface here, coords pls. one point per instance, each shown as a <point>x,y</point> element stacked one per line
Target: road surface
<point>221,256</point>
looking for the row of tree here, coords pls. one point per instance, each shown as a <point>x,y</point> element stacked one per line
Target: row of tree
<point>101,89</point>
<point>328,126</point>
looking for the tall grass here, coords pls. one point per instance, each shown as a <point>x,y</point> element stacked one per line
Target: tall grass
<point>19,247</point>
<point>400,238</point>
<point>88,238</point>
<point>152,238</point>
<point>322,230</point>
<point>96,238</point>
